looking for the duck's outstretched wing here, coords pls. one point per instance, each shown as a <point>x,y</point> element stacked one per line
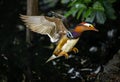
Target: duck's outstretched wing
<point>45,25</point>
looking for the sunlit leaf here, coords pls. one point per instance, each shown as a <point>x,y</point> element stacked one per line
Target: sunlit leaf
<point>80,5</point>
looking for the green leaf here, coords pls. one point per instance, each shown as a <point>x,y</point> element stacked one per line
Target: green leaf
<point>98,6</point>
<point>79,13</point>
<point>100,17</point>
<point>88,12</point>
<point>111,1</point>
<point>65,1</point>
<point>72,3</point>
<point>110,11</point>
<point>80,5</point>
<point>87,1</point>
<point>74,13</point>
<point>71,11</point>
<point>91,18</point>
<point>76,8</point>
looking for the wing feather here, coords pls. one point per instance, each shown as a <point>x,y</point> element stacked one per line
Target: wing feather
<point>44,25</point>
<point>38,24</point>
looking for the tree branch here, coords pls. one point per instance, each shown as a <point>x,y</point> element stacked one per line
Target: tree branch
<point>32,9</point>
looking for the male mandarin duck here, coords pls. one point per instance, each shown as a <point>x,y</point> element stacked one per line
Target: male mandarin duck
<point>55,29</point>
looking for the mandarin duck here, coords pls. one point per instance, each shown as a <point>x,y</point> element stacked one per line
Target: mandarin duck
<point>57,32</point>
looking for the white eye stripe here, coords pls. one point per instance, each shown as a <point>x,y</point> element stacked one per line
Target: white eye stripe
<point>87,24</point>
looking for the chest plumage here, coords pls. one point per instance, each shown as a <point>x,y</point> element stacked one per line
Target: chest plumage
<point>65,45</point>
<point>68,46</point>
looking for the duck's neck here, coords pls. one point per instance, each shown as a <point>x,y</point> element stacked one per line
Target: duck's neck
<point>76,34</point>
<point>73,35</point>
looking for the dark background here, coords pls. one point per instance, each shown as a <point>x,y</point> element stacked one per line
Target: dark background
<point>23,62</point>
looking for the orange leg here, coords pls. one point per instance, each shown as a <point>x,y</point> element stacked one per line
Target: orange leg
<point>75,50</point>
<point>63,53</point>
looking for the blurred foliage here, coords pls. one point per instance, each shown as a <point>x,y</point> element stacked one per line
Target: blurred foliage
<point>46,4</point>
<point>91,10</point>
